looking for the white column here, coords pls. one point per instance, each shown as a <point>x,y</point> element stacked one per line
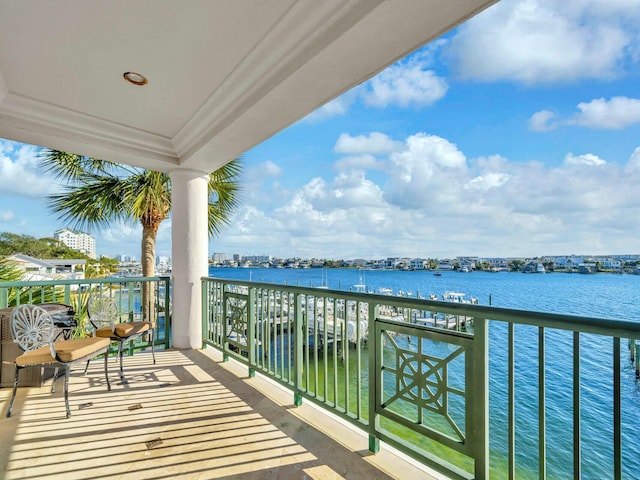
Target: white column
<point>189,254</point>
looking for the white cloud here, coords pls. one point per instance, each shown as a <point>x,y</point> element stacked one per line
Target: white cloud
<point>488,181</point>
<point>336,107</point>
<point>616,113</point>
<point>430,191</point>
<point>7,216</point>
<point>634,160</point>
<point>261,182</point>
<point>375,143</point>
<point>267,169</point>
<point>601,114</point>
<point>19,174</point>
<point>542,121</point>
<point>546,41</point>
<point>405,85</point>
<point>359,162</point>
<point>117,239</point>
<point>425,157</point>
<point>586,159</point>
<point>271,169</point>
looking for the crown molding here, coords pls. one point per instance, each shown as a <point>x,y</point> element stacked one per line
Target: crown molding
<point>19,113</point>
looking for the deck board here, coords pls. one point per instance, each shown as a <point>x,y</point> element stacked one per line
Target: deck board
<point>188,416</point>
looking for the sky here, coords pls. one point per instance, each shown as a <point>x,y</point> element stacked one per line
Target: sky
<point>516,134</point>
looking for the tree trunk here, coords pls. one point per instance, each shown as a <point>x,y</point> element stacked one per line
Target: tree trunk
<point>148,261</point>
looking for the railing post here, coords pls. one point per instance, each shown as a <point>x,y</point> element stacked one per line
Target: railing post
<point>375,376</point>
<point>204,285</point>
<point>637,356</point>
<point>297,354</point>
<point>479,396</point>
<point>251,332</point>
<point>4,297</point>
<point>167,312</point>
<point>67,294</point>
<point>224,319</point>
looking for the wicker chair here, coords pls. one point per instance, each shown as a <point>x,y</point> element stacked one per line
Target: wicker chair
<point>33,330</point>
<point>105,319</point>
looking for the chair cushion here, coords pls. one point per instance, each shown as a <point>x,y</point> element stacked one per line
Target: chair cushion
<point>104,332</point>
<point>124,330</point>
<point>67,350</point>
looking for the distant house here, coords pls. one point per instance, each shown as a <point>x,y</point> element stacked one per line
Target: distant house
<point>418,264</point>
<point>497,264</point>
<point>534,267</point>
<point>611,264</point>
<point>48,269</point>
<point>378,263</point>
<point>445,265</point>
<point>567,263</point>
<point>587,268</point>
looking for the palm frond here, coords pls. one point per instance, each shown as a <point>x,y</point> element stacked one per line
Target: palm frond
<point>73,168</point>
<point>9,271</point>
<point>223,195</point>
<point>92,204</point>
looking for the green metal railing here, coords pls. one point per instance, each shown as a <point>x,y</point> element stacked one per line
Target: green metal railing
<point>125,291</point>
<point>416,373</point>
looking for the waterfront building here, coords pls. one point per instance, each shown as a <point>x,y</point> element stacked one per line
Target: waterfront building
<point>377,263</point>
<point>163,264</point>
<point>418,264</point>
<point>609,263</point>
<point>83,242</point>
<point>48,269</point>
<point>497,264</point>
<point>567,263</point>
<point>587,267</point>
<point>256,259</point>
<point>445,264</point>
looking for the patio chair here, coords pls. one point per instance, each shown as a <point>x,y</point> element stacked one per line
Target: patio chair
<point>33,330</point>
<point>105,319</point>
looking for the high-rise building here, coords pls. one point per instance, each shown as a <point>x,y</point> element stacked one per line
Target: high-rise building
<point>80,241</point>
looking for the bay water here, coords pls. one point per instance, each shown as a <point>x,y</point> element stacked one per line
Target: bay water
<point>610,296</point>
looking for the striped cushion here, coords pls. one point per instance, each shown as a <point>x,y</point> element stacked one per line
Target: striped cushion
<point>67,350</point>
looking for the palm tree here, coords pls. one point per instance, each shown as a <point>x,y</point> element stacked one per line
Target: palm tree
<point>98,192</point>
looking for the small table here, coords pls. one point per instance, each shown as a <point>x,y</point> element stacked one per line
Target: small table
<point>64,318</point>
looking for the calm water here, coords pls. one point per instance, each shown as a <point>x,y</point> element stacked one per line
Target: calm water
<point>602,295</point>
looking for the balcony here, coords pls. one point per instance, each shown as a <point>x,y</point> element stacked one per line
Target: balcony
<point>284,389</point>
<point>188,416</point>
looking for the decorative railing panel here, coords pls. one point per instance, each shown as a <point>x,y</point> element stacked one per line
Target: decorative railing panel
<point>424,375</point>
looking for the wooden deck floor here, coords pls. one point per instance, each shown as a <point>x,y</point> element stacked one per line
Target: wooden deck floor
<point>189,416</point>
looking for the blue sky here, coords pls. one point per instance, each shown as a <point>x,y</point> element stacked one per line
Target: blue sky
<point>516,134</point>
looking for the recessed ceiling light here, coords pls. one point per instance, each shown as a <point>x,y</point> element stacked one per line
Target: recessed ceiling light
<point>135,78</point>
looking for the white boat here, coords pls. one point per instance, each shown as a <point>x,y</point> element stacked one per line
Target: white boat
<point>457,297</point>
